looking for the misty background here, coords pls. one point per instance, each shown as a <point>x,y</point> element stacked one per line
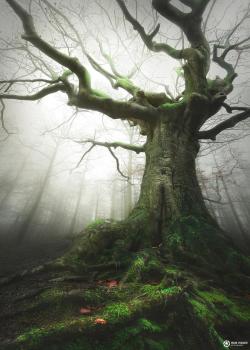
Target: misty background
<point>49,192</point>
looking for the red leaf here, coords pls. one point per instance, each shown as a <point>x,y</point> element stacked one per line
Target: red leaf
<point>100,321</point>
<point>112,283</point>
<point>85,311</point>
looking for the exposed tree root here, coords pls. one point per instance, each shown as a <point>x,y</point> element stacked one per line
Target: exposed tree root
<point>111,292</point>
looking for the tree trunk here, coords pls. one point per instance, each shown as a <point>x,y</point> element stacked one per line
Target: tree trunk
<point>128,190</point>
<point>24,228</point>
<point>170,188</point>
<point>73,224</point>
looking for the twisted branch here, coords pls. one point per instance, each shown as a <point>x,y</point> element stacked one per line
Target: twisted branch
<point>226,124</point>
<point>148,38</point>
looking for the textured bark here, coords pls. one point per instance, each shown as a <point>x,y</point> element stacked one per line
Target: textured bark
<point>170,188</point>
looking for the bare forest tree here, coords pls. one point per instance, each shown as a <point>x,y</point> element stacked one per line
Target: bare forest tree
<point>170,223</point>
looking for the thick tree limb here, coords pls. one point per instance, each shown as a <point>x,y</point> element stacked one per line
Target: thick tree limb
<point>31,35</point>
<point>113,108</point>
<point>38,95</point>
<point>167,10</point>
<point>227,124</point>
<point>148,38</point>
<point>85,97</point>
<point>190,23</point>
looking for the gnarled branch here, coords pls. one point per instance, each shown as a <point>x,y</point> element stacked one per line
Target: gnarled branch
<point>226,124</point>
<point>38,95</point>
<point>148,38</point>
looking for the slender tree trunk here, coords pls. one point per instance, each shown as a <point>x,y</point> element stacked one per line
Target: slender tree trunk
<point>72,227</point>
<point>232,206</point>
<point>22,232</point>
<point>204,188</point>
<point>12,185</point>
<point>233,210</point>
<point>113,207</point>
<point>129,190</point>
<point>96,204</point>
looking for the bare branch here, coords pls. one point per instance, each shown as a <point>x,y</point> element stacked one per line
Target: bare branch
<point>117,163</point>
<point>148,38</point>
<point>208,16</point>
<point>38,95</point>
<point>135,148</point>
<point>228,67</point>
<point>14,81</point>
<point>116,80</point>
<point>227,124</point>
<point>32,36</point>
<point>109,146</point>
<point>2,119</point>
<point>190,23</point>
<point>84,154</point>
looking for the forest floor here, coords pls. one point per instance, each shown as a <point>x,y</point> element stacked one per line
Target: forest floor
<point>16,260</point>
<point>18,257</point>
<point>86,300</point>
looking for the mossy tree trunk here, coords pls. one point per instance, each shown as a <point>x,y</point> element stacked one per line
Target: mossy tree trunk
<point>170,187</point>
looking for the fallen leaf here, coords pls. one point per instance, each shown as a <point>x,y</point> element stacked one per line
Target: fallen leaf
<point>112,283</point>
<point>100,321</point>
<point>85,311</point>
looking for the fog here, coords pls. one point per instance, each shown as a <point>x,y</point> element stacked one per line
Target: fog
<point>51,187</point>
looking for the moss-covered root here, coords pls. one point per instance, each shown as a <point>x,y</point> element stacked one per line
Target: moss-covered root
<point>197,242</point>
<point>136,316</point>
<point>106,245</point>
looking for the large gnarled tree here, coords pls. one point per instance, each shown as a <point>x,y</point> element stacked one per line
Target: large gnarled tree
<point>170,223</point>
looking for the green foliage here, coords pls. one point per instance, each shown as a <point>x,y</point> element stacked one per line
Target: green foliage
<point>95,224</point>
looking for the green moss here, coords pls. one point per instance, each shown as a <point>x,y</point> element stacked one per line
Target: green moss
<point>202,310</point>
<point>95,224</point>
<point>145,267</point>
<point>127,85</point>
<point>137,266</point>
<point>159,293</point>
<point>153,304</point>
<point>172,106</point>
<point>52,295</point>
<point>117,312</point>
<point>99,93</point>
<point>226,306</point>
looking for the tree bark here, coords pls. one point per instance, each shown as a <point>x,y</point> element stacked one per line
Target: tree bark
<point>170,188</point>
